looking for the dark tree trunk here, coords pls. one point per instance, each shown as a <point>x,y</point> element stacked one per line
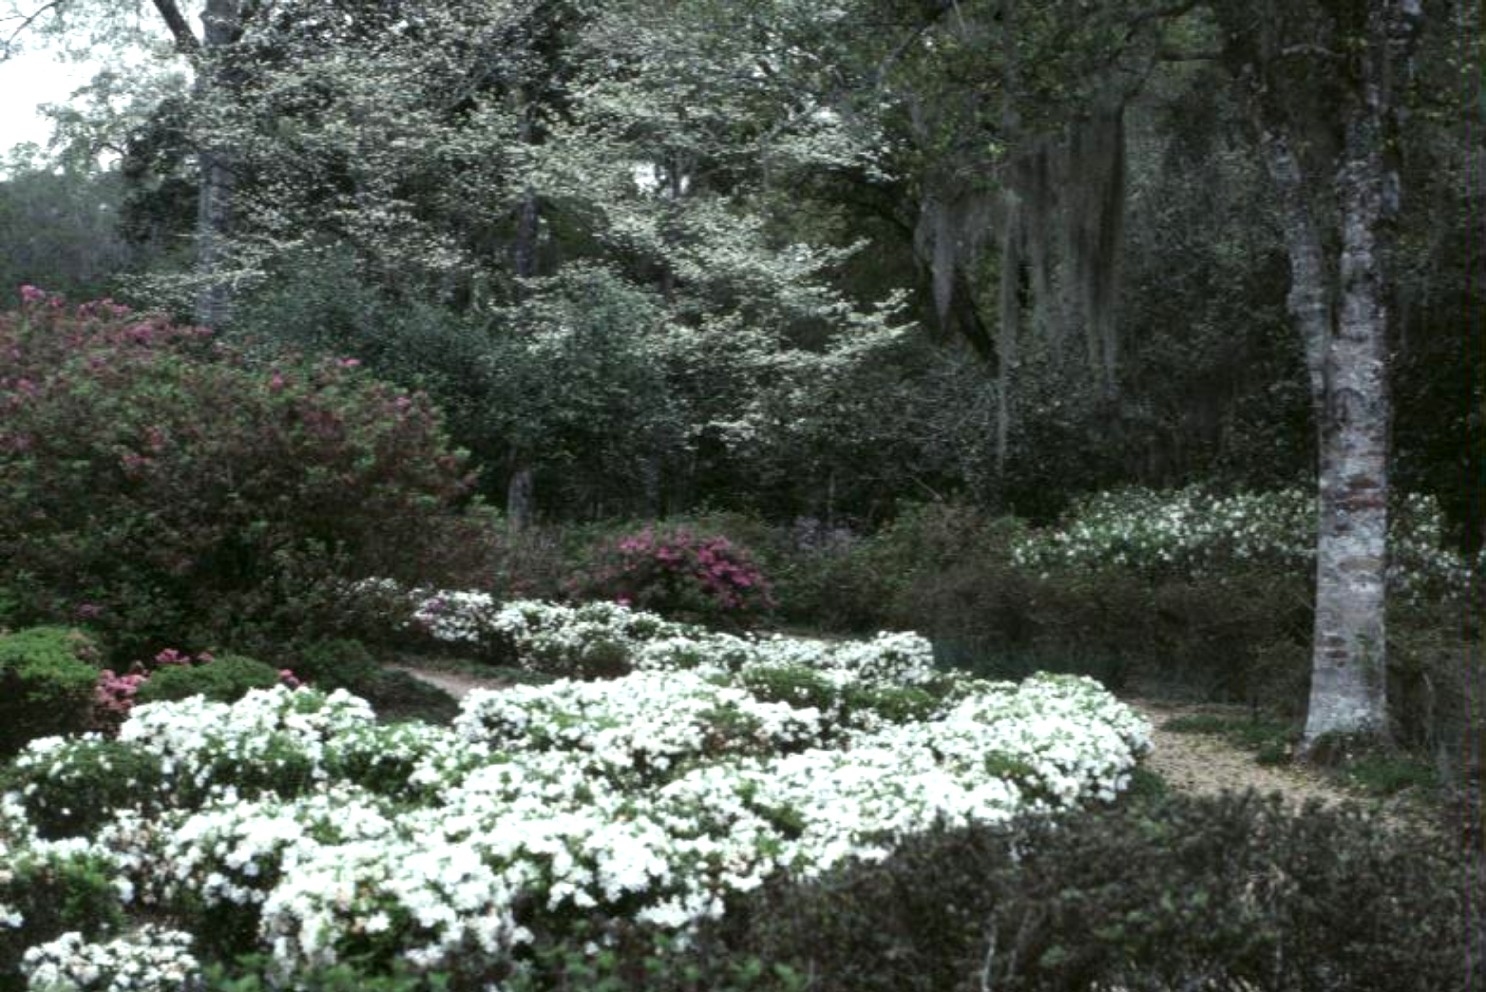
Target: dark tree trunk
<point>520,500</point>
<point>221,26</point>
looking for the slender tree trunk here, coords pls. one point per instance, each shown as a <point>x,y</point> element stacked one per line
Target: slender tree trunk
<point>1348,684</point>
<point>520,500</point>
<point>524,250</point>
<point>221,24</point>
<point>1348,680</point>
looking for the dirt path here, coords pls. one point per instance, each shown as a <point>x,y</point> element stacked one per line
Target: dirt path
<point>1202,764</point>
<point>454,683</point>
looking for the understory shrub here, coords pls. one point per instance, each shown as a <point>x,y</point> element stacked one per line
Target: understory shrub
<point>224,679</point>
<point>677,573</point>
<point>1174,893</point>
<point>341,663</point>
<point>43,896</point>
<point>47,675</point>
<point>169,490</point>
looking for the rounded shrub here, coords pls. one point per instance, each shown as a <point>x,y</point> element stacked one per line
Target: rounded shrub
<point>47,675</point>
<point>341,663</point>
<point>50,894</point>
<point>225,679</point>
<point>72,790</point>
<point>678,574</point>
<point>168,488</point>
<point>335,663</point>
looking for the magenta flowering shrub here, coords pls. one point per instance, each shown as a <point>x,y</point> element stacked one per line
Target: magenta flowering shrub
<point>678,574</point>
<point>166,488</point>
<point>114,695</point>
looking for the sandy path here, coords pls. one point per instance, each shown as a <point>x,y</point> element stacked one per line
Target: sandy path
<point>1202,764</point>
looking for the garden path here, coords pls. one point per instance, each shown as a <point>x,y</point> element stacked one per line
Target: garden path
<point>1204,764</point>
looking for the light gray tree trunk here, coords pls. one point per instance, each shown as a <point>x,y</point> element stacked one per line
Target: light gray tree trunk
<point>221,22</point>
<point>1339,310</point>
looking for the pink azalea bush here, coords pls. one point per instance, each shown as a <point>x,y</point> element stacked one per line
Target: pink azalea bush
<point>679,574</point>
<point>163,486</point>
<point>115,694</point>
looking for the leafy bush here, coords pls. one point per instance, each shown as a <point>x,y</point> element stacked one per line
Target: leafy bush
<point>291,823</point>
<point>1231,892</point>
<point>679,574</point>
<point>72,790</point>
<point>47,675</point>
<point>224,679</point>
<point>43,896</point>
<point>335,663</point>
<point>171,490</point>
<point>1192,533</point>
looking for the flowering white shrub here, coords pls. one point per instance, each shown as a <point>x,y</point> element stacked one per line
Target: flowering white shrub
<point>1189,532</point>
<point>154,959</point>
<point>651,796</point>
<point>608,638</point>
<point>270,734</point>
<point>644,723</point>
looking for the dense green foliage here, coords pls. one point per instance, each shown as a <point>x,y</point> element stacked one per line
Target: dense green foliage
<point>47,676</point>
<point>169,491</point>
<point>1228,892</point>
<point>638,252</point>
<point>225,678</point>
<point>976,319</point>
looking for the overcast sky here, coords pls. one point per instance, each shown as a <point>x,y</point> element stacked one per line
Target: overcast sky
<point>29,79</point>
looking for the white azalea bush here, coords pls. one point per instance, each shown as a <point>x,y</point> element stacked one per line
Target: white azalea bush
<point>152,959</point>
<point>608,639</point>
<point>1194,533</point>
<point>292,825</point>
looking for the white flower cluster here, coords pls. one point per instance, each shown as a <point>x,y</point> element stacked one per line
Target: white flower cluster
<point>651,796</point>
<point>578,640</point>
<point>1190,532</point>
<point>643,724</point>
<point>10,917</point>
<point>153,959</point>
<point>200,743</point>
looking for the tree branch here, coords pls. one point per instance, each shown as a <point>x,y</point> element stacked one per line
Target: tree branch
<point>1290,51</point>
<point>185,41</point>
<point>1201,55</point>
<point>26,22</point>
<point>1160,13</point>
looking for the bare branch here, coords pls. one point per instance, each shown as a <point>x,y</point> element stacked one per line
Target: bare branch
<point>26,23</point>
<point>1291,51</point>
<point>1163,12</point>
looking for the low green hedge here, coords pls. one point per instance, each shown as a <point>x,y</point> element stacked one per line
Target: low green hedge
<point>224,680</point>
<point>47,677</point>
